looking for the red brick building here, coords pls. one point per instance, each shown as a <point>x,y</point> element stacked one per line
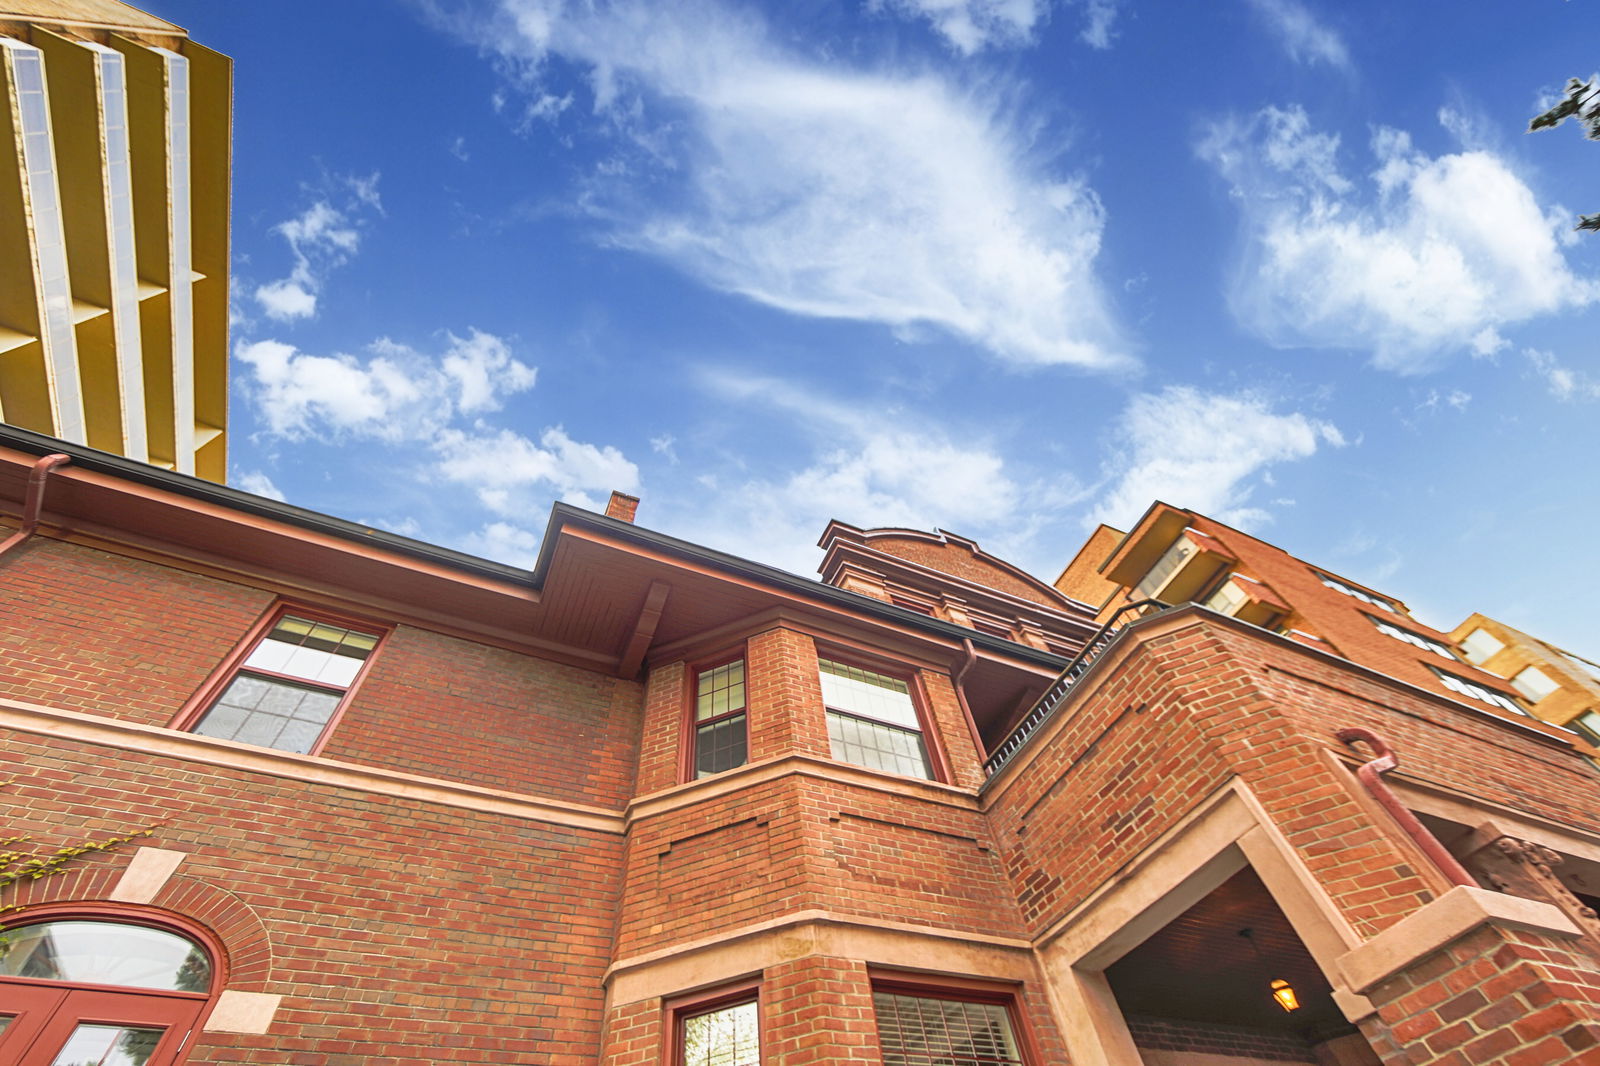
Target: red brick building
<point>651,803</point>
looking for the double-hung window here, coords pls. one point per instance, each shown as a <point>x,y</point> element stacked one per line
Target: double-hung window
<point>872,720</point>
<point>720,736</point>
<point>288,688</point>
<point>929,1030</point>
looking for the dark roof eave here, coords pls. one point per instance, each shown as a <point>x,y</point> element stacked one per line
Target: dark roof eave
<point>563,513</point>
<point>84,457</point>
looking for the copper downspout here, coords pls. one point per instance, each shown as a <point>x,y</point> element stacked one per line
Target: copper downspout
<point>967,663</point>
<point>1369,773</point>
<point>33,502</point>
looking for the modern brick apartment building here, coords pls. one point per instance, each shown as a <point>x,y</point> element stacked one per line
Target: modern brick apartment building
<point>653,804</point>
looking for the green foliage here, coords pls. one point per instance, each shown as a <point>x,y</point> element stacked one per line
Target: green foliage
<point>21,863</point>
<point>1583,103</point>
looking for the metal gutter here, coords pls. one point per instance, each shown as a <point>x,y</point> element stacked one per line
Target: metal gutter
<point>86,458</point>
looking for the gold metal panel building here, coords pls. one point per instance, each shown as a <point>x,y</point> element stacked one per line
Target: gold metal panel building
<point>115,157</point>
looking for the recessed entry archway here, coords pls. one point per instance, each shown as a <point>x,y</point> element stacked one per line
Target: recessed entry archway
<point>1200,991</point>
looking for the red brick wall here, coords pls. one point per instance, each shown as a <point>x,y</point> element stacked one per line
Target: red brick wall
<point>961,562</point>
<point>1495,997</point>
<point>1258,1044</point>
<point>450,708</point>
<point>401,931</point>
<point>1168,727</point>
<point>86,630</point>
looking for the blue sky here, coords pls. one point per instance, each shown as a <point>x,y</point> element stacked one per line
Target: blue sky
<point>1005,267</point>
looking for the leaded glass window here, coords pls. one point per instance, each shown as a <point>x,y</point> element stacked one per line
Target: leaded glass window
<point>872,720</point>
<point>287,689</point>
<point>720,741</point>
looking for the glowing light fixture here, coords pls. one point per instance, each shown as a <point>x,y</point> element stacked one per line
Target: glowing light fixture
<point>1284,994</point>
<point>1282,991</point>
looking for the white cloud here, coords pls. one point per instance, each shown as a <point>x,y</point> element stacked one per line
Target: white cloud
<point>1304,38</point>
<point>972,25</point>
<point>1204,451</point>
<point>505,543</point>
<point>512,474</point>
<point>286,300</point>
<point>871,466</point>
<point>393,394</point>
<point>1563,382</point>
<point>1435,256</point>
<point>320,238</point>
<point>881,197</point>
<point>254,481</point>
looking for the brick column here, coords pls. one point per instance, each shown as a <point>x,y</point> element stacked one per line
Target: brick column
<point>783,695</point>
<point>665,705</point>
<point>1479,978</point>
<point>817,1011</point>
<point>633,1035</point>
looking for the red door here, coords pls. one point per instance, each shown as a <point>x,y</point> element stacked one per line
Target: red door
<point>83,1026</point>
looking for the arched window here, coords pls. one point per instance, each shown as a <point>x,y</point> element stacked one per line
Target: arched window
<point>90,992</point>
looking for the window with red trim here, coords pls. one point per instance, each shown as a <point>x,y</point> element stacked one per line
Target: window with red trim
<point>719,736</point>
<point>723,1031</point>
<point>873,720</point>
<point>926,1027</point>
<point>288,688</point>
<point>76,991</point>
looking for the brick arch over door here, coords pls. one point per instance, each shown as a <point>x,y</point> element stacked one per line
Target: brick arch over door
<point>232,921</point>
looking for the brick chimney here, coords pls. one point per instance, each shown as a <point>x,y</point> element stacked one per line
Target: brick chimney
<point>622,506</point>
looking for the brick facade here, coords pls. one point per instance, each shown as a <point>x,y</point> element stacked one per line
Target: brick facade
<point>498,856</point>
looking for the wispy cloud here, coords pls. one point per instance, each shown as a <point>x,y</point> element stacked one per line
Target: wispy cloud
<point>970,26</point>
<point>1099,16</point>
<point>1563,382</point>
<point>1205,451</point>
<point>1303,36</point>
<point>876,196</point>
<point>1431,255</point>
<point>320,238</point>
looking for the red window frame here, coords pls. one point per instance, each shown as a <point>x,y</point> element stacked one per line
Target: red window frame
<point>687,746</point>
<point>47,1012</point>
<point>912,676</point>
<point>680,1009</point>
<point>203,700</point>
<point>963,990</point>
